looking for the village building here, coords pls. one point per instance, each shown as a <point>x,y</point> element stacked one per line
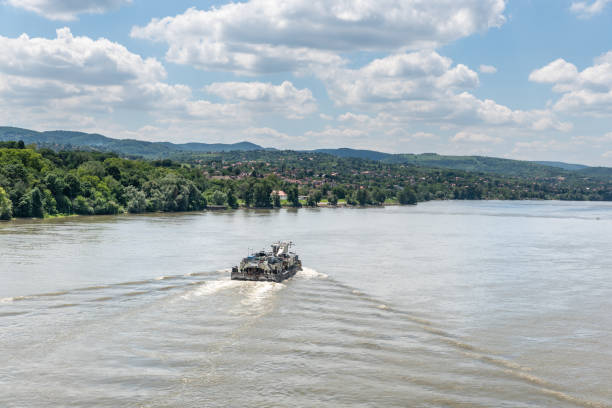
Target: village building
<point>281,194</point>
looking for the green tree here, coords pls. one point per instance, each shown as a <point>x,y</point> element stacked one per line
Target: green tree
<point>248,194</point>
<point>262,192</point>
<point>218,197</point>
<point>407,196</point>
<point>277,200</point>
<point>37,203</point>
<point>333,200</point>
<point>310,201</point>
<point>231,199</point>
<point>72,185</point>
<point>81,205</point>
<point>136,200</point>
<point>6,206</point>
<point>24,206</point>
<point>92,168</point>
<point>362,196</point>
<point>293,196</point>
<point>339,192</point>
<point>379,196</point>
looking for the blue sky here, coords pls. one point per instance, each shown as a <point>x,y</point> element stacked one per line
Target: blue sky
<point>518,79</point>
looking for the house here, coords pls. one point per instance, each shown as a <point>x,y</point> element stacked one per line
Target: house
<point>281,194</point>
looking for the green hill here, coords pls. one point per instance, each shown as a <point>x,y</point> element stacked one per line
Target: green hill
<point>358,154</point>
<point>66,140</point>
<point>480,164</point>
<point>564,166</point>
<point>61,139</point>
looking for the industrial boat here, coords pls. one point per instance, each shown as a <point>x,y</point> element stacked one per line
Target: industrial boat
<point>274,266</point>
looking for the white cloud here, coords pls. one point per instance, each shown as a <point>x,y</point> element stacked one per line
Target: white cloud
<point>487,69</point>
<point>558,71</point>
<point>82,83</point>
<point>67,9</point>
<point>587,92</point>
<point>297,35</point>
<point>472,137</point>
<point>585,10</point>
<point>425,86</point>
<point>283,98</point>
<point>79,60</point>
<point>421,75</point>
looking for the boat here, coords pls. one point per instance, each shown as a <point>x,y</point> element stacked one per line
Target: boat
<point>273,266</point>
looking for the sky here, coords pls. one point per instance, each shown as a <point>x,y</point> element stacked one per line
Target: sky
<point>523,79</point>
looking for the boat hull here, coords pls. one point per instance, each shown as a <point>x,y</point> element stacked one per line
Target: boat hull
<point>261,275</point>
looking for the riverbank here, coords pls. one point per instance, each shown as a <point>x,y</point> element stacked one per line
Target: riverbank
<point>213,208</point>
<point>222,209</point>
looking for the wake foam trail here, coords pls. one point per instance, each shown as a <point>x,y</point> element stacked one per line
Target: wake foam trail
<point>102,286</point>
<point>308,273</point>
<point>212,287</point>
<point>260,292</point>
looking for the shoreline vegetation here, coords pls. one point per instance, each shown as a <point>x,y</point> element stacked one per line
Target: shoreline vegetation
<point>43,183</point>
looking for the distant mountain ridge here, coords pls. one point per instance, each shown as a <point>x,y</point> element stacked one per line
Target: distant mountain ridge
<point>482,164</point>
<point>61,138</point>
<point>564,166</point>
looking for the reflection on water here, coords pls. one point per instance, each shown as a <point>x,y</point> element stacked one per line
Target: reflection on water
<point>444,304</point>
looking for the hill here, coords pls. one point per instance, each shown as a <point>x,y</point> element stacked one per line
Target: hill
<point>66,140</point>
<point>564,166</point>
<point>61,139</point>
<point>481,164</point>
<point>355,153</point>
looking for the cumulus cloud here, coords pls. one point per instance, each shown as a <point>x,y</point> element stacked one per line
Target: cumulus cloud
<point>80,74</point>
<point>80,82</point>
<point>558,71</point>
<point>267,36</point>
<point>587,92</point>
<point>284,98</point>
<point>67,9</point>
<point>425,86</point>
<point>79,60</point>
<point>421,75</point>
<point>585,9</point>
<point>487,69</point>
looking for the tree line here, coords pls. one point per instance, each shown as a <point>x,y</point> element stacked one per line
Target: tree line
<point>42,182</point>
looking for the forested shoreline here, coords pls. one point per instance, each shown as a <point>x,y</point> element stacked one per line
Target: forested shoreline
<point>41,182</point>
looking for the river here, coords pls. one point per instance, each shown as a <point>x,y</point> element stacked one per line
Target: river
<point>444,304</point>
